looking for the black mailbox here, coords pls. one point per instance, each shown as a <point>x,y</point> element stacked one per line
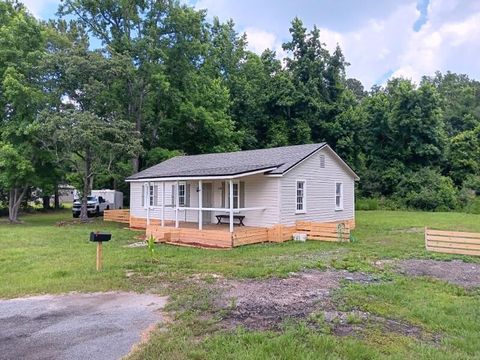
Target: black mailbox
<point>100,237</point>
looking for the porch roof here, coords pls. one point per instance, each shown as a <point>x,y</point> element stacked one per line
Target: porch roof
<point>272,161</point>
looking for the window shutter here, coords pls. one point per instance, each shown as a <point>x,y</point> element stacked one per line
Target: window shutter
<point>155,195</point>
<point>223,194</point>
<point>143,195</point>
<point>187,195</point>
<point>173,195</point>
<point>322,161</point>
<point>242,194</point>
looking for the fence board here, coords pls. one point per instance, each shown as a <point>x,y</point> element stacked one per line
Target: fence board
<point>454,233</point>
<point>452,242</point>
<point>324,231</point>
<point>121,216</point>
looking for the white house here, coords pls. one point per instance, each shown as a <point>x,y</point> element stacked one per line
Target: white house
<point>259,188</point>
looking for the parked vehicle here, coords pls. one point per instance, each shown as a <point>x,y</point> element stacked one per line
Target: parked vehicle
<point>98,202</point>
<point>113,197</point>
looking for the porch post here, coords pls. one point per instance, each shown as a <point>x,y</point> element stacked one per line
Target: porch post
<point>163,203</point>
<point>147,200</point>
<point>176,205</point>
<point>200,205</point>
<point>231,205</point>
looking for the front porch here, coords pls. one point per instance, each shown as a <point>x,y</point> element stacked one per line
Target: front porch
<point>250,200</point>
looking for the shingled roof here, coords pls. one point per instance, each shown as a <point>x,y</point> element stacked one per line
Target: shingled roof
<point>273,161</point>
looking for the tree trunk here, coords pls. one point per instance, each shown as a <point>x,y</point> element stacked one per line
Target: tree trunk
<point>137,93</point>
<point>87,188</point>
<point>46,202</point>
<point>14,201</point>
<point>57,198</point>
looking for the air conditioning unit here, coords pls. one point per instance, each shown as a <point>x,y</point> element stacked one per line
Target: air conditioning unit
<point>300,237</point>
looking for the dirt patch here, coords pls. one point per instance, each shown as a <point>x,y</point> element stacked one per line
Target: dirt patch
<point>262,304</point>
<point>455,272</point>
<point>304,296</point>
<point>355,322</point>
<point>412,230</point>
<point>73,222</point>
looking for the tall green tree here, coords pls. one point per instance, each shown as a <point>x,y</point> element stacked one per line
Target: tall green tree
<point>22,46</point>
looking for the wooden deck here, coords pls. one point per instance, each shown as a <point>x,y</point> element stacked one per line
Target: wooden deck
<point>211,236</point>
<point>219,236</point>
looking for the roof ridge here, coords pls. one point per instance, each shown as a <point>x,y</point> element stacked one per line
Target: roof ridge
<point>248,150</point>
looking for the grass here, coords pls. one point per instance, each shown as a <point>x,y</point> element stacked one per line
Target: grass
<point>39,257</point>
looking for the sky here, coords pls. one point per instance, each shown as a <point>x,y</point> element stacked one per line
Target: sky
<point>380,38</point>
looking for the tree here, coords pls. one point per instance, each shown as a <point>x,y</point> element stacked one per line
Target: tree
<point>22,46</point>
<point>16,173</point>
<point>464,155</point>
<point>88,143</point>
<point>356,87</point>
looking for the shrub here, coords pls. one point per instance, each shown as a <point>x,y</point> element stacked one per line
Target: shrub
<point>473,206</point>
<point>366,204</point>
<point>427,189</point>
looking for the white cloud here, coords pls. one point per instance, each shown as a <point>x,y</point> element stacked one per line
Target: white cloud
<point>442,46</point>
<point>391,45</point>
<point>259,40</point>
<point>37,6</point>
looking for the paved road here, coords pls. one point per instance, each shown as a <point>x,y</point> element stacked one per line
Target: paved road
<point>76,326</point>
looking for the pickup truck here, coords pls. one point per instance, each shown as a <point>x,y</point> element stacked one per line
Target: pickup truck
<point>95,206</point>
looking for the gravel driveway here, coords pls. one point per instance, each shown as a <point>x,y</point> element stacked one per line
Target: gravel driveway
<point>76,326</point>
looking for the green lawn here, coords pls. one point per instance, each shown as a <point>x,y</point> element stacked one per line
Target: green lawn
<point>40,257</point>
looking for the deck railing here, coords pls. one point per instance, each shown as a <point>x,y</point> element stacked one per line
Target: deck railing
<point>121,216</point>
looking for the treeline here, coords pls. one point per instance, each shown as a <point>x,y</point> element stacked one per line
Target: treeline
<point>166,81</point>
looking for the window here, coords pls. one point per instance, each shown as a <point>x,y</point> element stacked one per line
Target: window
<point>338,196</point>
<point>301,189</point>
<point>235,195</point>
<point>238,194</point>
<point>322,161</point>
<point>151,196</point>
<point>181,194</point>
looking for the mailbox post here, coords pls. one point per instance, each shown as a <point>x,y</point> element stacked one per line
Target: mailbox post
<point>99,238</point>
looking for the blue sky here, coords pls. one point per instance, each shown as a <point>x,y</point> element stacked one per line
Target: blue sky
<point>380,38</point>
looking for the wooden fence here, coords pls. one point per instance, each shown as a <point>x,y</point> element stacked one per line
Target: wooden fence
<point>324,231</point>
<point>452,242</point>
<point>249,236</point>
<point>121,216</point>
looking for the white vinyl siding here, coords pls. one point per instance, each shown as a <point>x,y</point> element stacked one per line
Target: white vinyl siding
<point>137,209</point>
<point>321,194</point>
<point>256,191</point>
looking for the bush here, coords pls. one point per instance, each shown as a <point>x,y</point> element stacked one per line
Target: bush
<point>427,189</point>
<point>366,204</point>
<point>473,206</point>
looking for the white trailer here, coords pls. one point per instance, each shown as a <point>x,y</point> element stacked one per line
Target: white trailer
<point>114,198</point>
